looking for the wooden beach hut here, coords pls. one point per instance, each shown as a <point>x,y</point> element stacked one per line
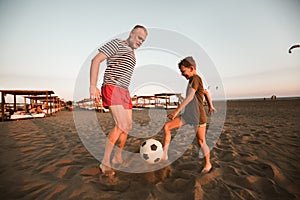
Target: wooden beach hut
<point>90,104</point>
<point>143,101</point>
<point>28,93</point>
<point>52,103</point>
<point>148,101</point>
<point>167,98</point>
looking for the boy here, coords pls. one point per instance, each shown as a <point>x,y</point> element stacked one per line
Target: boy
<point>194,112</point>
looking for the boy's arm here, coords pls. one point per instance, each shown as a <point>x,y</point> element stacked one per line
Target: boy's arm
<point>94,91</point>
<point>185,102</point>
<point>211,108</point>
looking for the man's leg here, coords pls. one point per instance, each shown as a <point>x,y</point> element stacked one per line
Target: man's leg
<point>122,119</point>
<point>122,140</point>
<point>117,159</point>
<point>110,142</point>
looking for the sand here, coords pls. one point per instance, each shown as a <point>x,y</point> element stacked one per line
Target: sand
<point>255,157</point>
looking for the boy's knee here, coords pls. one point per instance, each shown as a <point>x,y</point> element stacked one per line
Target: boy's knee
<point>166,127</point>
<point>201,142</point>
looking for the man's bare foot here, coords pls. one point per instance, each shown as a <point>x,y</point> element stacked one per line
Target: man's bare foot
<point>108,171</point>
<point>206,169</point>
<point>117,160</point>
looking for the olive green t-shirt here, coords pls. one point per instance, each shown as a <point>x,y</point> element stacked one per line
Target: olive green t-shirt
<point>194,112</point>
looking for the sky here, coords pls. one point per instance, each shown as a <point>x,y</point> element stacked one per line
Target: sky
<point>49,44</point>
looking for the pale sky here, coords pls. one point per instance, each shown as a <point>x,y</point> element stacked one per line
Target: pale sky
<point>44,44</point>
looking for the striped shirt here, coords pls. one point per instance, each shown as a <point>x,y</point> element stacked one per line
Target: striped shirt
<point>120,63</point>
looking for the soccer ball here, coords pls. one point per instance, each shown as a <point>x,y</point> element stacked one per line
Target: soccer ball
<point>151,151</point>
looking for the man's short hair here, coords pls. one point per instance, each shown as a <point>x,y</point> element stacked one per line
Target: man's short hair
<point>140,26</point>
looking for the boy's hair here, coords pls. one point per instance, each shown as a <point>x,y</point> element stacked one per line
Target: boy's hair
<point>140,26</point>
<point>187,62</point>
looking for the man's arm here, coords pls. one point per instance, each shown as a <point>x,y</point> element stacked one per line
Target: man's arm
<point>96,61</point>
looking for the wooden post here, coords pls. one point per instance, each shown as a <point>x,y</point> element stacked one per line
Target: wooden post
<point>166,98</point>
<point>47,103</point>
<point>50,105</point>
<point>15,104</point>
<point>2,105</point>
<point>59,106</point>
<point>54,103</point>
<point>54,99</point>
<point>57,103</point>
<point>25,105</point>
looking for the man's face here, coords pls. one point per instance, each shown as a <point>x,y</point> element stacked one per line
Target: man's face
<point>137,37</point>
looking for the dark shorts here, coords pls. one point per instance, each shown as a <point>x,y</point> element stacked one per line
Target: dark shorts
<point>194,118</point>
<point>113,95</point>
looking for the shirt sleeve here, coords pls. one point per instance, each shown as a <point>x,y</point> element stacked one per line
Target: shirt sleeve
<point>110,48</point>
<point>195,82</point>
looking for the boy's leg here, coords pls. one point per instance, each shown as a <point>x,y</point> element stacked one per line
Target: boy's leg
<point>175,123</point>
<point>201,132</point>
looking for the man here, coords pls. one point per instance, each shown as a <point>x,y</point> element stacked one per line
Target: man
<point>115,95</point>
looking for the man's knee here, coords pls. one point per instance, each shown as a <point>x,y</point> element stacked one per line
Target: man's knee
<point>126,126</point>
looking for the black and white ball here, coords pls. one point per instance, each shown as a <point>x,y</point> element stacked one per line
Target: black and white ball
<point>151,151</point>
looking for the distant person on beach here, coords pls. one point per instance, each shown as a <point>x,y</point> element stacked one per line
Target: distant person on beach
<point>39,110</point>
<point>115,95</point>
<point>194,112</point>
<point>35,110</point>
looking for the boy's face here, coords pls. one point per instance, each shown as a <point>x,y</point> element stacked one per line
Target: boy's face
<point>187,72</point>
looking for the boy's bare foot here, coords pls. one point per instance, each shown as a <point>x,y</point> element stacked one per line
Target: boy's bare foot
<point>108,171</point>
<point>164,157</point>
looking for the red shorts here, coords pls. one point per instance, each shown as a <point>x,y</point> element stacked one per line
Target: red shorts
<point>113,95</point>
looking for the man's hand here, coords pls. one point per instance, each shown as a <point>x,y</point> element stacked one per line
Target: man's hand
<point>95,94</point>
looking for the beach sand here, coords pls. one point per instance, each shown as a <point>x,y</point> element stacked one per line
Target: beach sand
<point>256,157</point>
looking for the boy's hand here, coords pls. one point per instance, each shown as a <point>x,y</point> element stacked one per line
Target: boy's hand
<point>212,110</point>
<point>173,114</point>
